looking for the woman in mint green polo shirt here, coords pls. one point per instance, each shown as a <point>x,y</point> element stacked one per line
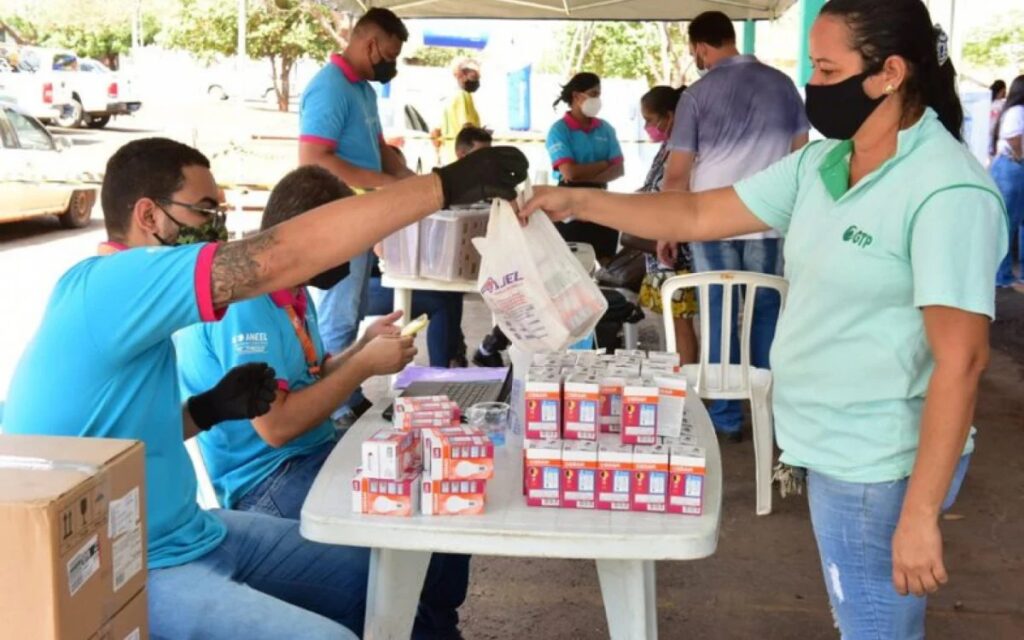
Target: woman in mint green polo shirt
<point>893,236</point>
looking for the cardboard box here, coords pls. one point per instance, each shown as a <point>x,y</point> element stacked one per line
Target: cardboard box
<point>73,533</point>
<point>610,390</point>
<point>542,472</point>
<point>653,368</point>
<point>581,407</point>
<point>453,497</point>
<point>130,623</point>
<point>614,471</point>
<point>388,454</point>
<point>543,407</point>
<point>631,353</point>
<point>640,412</point>
<point>670,357</point>
<point>459,457</point>
<point>650,478</point>
<point>579,470</point>
<point>374,496</point>
<point>427,414</point>
<point>687,469</point>
<point>671,404</point>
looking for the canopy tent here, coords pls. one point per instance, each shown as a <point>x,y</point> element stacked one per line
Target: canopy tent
<point>575,9</point>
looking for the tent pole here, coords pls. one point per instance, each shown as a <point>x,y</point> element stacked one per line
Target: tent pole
<point>749,36</point>
<point>808,12</point>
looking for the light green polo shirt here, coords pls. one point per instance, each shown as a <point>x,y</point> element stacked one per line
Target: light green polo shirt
<point>851,362</point>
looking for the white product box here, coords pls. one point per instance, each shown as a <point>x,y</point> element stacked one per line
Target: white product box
<point>388,454</point>
<point>640,412</point>
<point>581,407</point>
<point>614,476</point>
<point>459,457</point>
<point>543,411</point>
<point>542,473</point>
<point>669,357</point>
<point>671,404</point>
<point>579,470</point>
<point>610,389</point>
<point>650,478</point>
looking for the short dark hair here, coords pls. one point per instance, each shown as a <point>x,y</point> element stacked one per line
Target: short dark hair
<point>302,190</point>
<point>469,136</point>
<point>579,83</point>
<point>662,99</point>
<point>712,28</point>
<point>386,21</point>
<point>147,168</point>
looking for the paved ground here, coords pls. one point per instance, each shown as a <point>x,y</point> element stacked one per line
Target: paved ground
<point>764,581</point>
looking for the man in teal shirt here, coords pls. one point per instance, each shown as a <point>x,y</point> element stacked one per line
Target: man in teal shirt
<point>108,326</point>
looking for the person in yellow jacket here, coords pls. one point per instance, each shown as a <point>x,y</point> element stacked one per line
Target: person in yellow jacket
<point>460,112</point>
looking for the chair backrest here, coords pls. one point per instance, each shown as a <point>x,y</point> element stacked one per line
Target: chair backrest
<point>728,280</point>
<point>205,496</point>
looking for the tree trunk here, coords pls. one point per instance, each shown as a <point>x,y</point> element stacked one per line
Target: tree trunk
<point>284,94</point>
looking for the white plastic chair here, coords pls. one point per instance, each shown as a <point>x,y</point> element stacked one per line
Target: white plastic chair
<point>725,381</point>
<point>205,495</point>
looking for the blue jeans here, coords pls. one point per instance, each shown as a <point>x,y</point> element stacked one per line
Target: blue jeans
<point>443,308</point>
<point>340,309</point>
<point>1009,177</point>
<point>264,582</point>
<point>281,495</point>
<point>853,525</point>
<point>759,256</point>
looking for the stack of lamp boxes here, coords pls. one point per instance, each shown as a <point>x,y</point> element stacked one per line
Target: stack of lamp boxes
<point>428,463</point>
<point>608,432</point>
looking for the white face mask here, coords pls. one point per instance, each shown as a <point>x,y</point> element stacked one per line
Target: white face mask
<point>591,107</point>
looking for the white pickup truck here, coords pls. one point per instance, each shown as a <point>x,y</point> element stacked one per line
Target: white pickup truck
<point>96,92</point>
<point>43,95</point>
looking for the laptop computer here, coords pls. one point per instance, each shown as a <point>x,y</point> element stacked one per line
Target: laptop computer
<point>464,394</point>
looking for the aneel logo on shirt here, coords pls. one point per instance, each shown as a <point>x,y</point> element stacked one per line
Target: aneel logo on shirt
<point>491,285</point>
<point>860,238</point>
<point>250,342</point>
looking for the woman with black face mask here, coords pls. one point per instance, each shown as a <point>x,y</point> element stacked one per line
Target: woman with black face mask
<point>893,236</point>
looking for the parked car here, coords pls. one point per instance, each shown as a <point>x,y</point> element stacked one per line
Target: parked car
<point>97,93</point>
<point>29,156</point>
<point>43,95</point>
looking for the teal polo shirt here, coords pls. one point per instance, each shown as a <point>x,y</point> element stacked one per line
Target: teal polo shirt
<point>851,362</point>
<point>102,365</point>
<point>339,110</point>
<point>570,141</point>
<point>256,330</point>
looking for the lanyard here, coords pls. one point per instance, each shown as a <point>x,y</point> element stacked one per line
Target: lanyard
<point>299,325</point>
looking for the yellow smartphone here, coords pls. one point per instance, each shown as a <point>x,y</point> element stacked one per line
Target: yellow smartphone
<point>415,326</point>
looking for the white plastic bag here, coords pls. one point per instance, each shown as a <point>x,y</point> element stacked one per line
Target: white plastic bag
<point>537,290</point>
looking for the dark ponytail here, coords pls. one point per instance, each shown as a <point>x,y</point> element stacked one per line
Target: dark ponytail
<point>883,28</point>
<point>662,99</point>
<point>579,83</point>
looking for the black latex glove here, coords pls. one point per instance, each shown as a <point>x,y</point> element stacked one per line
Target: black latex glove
<point>486,173</point>
<point>244,393</point>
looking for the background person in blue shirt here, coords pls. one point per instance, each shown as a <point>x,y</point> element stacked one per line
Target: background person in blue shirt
<point>739,118</point>
<point>339,130</point>
<point>585,152</point>
<point>893,233</point>
<point>267,465</point>
<point>108,325</point>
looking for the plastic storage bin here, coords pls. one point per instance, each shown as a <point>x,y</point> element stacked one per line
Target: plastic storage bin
<point>445,248</point>
<point>402,252</point>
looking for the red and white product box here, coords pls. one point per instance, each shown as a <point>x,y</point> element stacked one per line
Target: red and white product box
<point>670,357</point>
<point>650,478</point>
<point>542,472</point>
<point>579,474</point>
<point>687,468</point>
<point>614,476</point>
<point>651,368</point>
<point>388,454</point>
<point>430,434</point>
<point>547,359</point>
<point>640,412</point>
<point>569,358</point>
<point>683,440</point>
<point>626,367</point>
<point>631,353</point>
<point>610,389</point>
<point>428,420</point>
<point>459,457</point>
<point>386,497</point>
<point>581,407</point>
<point>452,497</point>
<point>543,407</point>
<point>420,403</point>
<point>671,404</point>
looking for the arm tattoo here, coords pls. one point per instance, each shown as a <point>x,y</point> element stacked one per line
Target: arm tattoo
<point>239,267</point>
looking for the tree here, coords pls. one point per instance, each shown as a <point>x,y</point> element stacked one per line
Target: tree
<point>282,31</point>
<point>654,51</point>
<point>999,44</point>
<point>437,56</point>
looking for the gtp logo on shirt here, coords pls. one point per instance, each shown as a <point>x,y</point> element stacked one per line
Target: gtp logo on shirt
<point>860,238</point>
<point>250,342</point>
<point>491,285</point>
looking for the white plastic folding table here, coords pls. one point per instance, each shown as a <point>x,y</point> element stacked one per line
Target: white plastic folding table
<point>625,545</point>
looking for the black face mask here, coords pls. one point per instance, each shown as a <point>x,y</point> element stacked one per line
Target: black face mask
<point>471,85</point>
<point>329,278</point>
<point>213,230</point>
<point>837,111</point>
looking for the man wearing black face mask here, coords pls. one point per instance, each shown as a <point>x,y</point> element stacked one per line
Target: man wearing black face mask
<point>267,465</point>
<point>460,112</point>
<point>340,130</point>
